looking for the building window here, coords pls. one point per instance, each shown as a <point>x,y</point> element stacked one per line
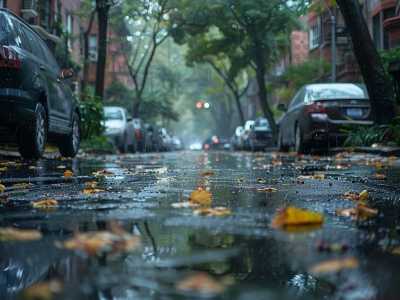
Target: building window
<point>93,48</point>
<point>45,14</point>
<point>2,3</point>
<point>69,29</point>
<point>315,34</point>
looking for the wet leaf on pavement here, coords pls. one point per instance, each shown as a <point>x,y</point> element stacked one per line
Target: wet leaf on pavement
<point>334,265</point>
<point>45,203</point>
<point>316,176</point>
<point>361,197</point>
<point>3,169</point>
<point>292,216</point>
<point>90,191</point>
<point>201,283</point>
<point>186,204</point>
<point>207,173</point>
<point>213,212</point>
<point>396,251</point>
<point>68,173</point>
<point>15,234</point>
<point>360,212</point>
<point>267,190</point>
<point>2,188</point>
<point>103,173</point>
<point>201,197</point>
<point>115,241</point>
<point>379,176</point>
<point>61,167</point>
<point>42,291</point>
<point>22,186</point>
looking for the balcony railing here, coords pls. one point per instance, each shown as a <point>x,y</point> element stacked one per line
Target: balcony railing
<point>29,9</point>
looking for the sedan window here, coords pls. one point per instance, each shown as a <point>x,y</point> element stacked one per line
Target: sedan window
<point>113,115</point>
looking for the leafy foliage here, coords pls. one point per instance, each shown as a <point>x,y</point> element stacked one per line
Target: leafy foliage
<point>359,136</point>
<point>91,110</point>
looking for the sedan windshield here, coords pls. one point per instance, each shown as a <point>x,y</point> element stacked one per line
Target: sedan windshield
<point>113,115</point>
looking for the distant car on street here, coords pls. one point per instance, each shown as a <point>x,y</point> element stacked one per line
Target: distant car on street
<point>244,139</point>
<point>140,133</point>
<point>166,140</point>
<point>260,136</point>
<point>119,128</point>
<point>318,113</point>
<point>213,143</point>
<point>37,104</point>
<point>236,139</point>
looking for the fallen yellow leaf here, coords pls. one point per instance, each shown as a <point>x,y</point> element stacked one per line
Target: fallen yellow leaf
<point>42,290</point>
<point>2,188</point>
<point>14,234</point>
<point>3,169</point>
<point>213,212</point>
<point>200,283</point>
<point>21,186</point>
<point>46,203</point>
<point>201,197</point>
<point>396,251</point>
<point>334,265</point>
<point>362,197</point>
<point>292,216</point>
<point>68,173</point>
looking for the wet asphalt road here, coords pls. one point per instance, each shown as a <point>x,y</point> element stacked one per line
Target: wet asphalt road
<point>259,261</point>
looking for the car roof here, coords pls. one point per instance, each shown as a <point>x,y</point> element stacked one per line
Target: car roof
<point>321,86</point>
<point>113,108</point>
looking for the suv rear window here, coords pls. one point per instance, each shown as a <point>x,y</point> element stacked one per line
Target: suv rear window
<point>4,30</point>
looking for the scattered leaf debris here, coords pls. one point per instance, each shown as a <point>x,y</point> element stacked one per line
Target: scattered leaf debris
<point>267,190</point>
<point>2,188</point>
<point>68,173</point>
<point>207,173</point>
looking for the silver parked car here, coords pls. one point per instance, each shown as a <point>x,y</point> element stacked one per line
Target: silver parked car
<point>119,128</point>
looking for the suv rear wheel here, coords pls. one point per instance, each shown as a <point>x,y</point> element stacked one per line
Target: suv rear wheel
<point>32,137</point>
<point>300,145</point>
<point>69,144</point>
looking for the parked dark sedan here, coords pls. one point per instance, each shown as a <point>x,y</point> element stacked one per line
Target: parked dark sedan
<point>36,103</point>
<point>260,136</point>
<point>318,113</point>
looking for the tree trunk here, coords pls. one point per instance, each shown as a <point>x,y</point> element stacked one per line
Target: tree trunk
<point>102,19</point>
<point>136,108</point>
<point>262,90</point>
<point>239,109</point>
<point>380,90</point>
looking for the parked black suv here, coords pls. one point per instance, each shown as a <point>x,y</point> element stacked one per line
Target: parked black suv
<point>36,102</point>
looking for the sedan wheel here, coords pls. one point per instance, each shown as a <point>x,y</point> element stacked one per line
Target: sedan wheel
<point>32,138</point>
<point>300,145</point>
<point>69,144</point>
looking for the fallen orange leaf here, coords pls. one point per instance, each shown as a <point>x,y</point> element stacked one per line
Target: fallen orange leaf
<point>380,176</point>
<point>90,191</point>
<point>334,265</point>
<point>14,234</point>
<point>292,216</point>
<point>362,197</point>
<point>201,197</point>
<point>200,283</point>
<point>68,173</point>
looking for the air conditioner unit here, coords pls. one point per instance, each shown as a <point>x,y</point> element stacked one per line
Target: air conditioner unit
<point>29,9</point>
<point>93,56</point>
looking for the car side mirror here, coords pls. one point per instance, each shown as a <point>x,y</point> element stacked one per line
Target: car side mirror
<point>282,107</point>
<point>66,74</point>
<point>129,119</point>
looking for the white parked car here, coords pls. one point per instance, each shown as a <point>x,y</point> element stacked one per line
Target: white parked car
<point>119,128</point>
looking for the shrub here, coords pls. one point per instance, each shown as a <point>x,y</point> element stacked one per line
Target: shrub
<point>91,109</point>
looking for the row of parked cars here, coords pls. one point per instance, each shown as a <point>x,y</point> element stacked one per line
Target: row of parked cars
<point>133,135</point>
<point>317,117</point>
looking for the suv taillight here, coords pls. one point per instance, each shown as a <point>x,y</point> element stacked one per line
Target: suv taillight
<point>138,134</point>
<point>316,107</point>
<point>9,58</point>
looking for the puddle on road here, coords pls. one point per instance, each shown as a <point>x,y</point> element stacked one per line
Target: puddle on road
<point>240,251</point>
